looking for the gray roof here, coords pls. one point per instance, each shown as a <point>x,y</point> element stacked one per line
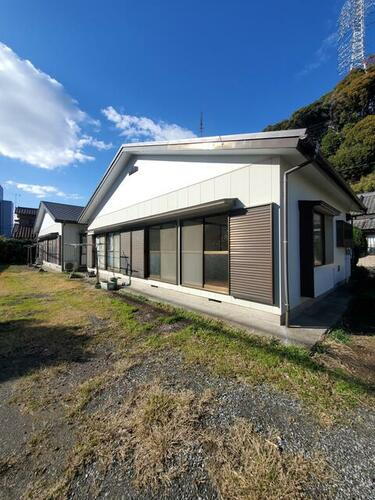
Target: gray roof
<point>368,199</point>
<point>367,222</point>
<point>62,212</point>
<point>25,211</point>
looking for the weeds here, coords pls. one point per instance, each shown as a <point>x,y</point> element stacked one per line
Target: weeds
<point>247,466</point>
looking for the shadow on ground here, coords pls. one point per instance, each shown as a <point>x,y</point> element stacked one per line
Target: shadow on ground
<point>26,345</point>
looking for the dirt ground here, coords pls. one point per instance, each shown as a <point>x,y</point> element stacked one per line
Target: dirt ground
<point>108,396</point>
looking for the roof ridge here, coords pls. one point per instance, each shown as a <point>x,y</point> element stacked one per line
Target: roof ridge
<point>65,204</point>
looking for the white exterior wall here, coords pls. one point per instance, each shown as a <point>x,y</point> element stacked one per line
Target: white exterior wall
<point>160,187</point>
<point>49,226</point>
<point>253,180</point>
<point>312,184</point>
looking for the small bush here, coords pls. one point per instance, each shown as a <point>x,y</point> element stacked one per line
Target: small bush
<point>340,335</point>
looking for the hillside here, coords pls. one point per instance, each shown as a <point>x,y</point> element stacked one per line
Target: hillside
<point>343,121</point>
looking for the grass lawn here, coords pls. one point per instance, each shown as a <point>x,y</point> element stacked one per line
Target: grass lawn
<point>111,393</point>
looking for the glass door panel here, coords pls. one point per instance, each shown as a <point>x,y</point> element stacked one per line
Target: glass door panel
<point>192,253</point>
<point>216,253</point>
<point>154,252</point>
<point>168,253</point>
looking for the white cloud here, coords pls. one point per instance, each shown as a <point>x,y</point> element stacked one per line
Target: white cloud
<point>321,55</point>
<point>43,191</point>
<point>39,122</point>
<point>87,140</point>
<point>137,128</point>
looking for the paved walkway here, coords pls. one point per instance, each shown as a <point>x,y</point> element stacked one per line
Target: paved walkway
<point>368,261</point>
<point>308,328</point>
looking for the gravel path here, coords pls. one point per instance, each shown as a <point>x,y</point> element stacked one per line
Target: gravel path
<point>349,449</point>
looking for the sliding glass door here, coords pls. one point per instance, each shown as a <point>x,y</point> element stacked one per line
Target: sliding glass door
<point>100,249</point>
<point>216,253</point>
<point>154,252</point>
<point>113,251</point>
<point>204,253</point>
<point>163,252</point>
<point>192,253</point>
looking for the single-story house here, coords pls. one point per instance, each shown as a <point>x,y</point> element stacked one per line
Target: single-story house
<point>366,222</point>
<point>23,228</point>
<point>251,219</point>
<point>60,238</point>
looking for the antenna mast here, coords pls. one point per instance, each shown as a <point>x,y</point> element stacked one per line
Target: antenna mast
<point>352,34</point>
<point>201,125</point>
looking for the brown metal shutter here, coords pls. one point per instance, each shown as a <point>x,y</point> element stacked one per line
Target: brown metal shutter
<point>138,253</point>
<point>251,255</point>
<point>125,252</point>
<point>90,251</point>
<point>306,248</point>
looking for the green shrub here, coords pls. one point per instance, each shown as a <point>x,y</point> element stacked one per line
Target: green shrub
<point>359,245</point>
<point>13,251</point>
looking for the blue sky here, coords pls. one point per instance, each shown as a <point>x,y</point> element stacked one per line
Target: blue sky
<point>104,73</point>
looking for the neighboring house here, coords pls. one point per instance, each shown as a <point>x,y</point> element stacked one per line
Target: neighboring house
<point>205,216</point>
<point>23,228</point>
<point>367,222</point>
<point>6,216</point>
<point>59,235</point>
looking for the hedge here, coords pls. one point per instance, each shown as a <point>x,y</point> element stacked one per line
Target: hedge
<point>13,251</point>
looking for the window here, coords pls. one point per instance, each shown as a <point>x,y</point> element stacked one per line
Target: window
<point>318,239</point>
<point>192,253</point>
<point>100,249</point>
<point>51,250</point>
<point>204,253</point>
<point>216,253</point>
<point>154,254</point>
<point>163,252</point>
<point>344,234</point>
<point>113,251</point>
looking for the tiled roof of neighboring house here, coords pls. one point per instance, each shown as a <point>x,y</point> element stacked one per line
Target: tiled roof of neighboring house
<point>22,232</point>
<point>368,199</point>
<point>63,212</point>
<point>367,222</point>
<point>26,211</point>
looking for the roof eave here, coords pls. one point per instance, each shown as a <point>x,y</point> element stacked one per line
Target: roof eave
<point>308,149</point>
<point>285,139</point>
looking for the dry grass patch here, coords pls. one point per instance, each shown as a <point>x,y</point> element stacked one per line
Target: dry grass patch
<point>154,430</point>
<point>247,466</point>
<point>85,392</point>
<point>160,429</point>
<point>157,431</point>
<point>33,392</point>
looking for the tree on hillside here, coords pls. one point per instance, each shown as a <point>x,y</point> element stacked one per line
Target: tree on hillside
<point>356,155</point>
<point>342,121</point>
<point>365,184</point>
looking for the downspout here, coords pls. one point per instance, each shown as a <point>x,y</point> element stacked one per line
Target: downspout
<point>287,173</point>
<point>62,246</point>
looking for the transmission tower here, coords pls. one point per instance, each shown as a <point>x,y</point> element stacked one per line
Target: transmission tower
<point>352,34</point>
